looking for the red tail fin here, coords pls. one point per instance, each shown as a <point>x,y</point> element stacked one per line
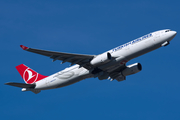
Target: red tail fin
<point>29,76</point>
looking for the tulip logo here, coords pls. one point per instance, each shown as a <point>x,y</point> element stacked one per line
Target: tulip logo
<point>30,76</point>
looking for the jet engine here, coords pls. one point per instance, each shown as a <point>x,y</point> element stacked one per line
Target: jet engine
<point>132,69</point>
<point>101,59</point>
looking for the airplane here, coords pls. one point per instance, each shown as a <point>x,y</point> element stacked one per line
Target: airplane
<point>109,65</point>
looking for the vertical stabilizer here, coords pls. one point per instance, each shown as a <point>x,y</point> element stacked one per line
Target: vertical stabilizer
<point>29,76</point>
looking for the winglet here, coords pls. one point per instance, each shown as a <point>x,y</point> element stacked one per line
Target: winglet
<point>24,47</point>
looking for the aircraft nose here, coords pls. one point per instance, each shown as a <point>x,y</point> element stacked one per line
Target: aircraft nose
<point>174,33</point>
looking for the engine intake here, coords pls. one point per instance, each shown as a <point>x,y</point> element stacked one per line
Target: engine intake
<point>132,69</point>
<point>101,59</point>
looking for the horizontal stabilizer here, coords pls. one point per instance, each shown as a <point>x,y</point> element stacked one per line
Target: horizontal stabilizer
<point>21,85</point>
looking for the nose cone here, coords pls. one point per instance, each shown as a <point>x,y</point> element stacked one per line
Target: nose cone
<point>171,35</point>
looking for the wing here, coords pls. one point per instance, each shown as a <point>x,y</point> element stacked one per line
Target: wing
<point>81,59</point>
<point>116,73</point>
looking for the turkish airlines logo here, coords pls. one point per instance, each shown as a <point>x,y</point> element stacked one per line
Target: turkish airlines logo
<point>30,76</point>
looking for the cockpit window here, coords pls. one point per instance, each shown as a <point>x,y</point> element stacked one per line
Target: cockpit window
<point>167,30</point>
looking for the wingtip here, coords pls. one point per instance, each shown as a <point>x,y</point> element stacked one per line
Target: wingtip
<point>5,83</point>
<point>24,47</point>
<point>8,83</point>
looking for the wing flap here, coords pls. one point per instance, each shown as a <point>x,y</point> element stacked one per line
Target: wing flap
<point>116,73</point>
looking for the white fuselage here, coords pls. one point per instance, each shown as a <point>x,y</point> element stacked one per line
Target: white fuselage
<point>122,54</point>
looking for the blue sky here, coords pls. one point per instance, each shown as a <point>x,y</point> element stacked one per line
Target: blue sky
<point>89,27</point>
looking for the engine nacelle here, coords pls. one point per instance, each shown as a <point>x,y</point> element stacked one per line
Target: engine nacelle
<point>101,59</point>
<point>132,69</point>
